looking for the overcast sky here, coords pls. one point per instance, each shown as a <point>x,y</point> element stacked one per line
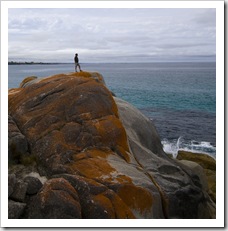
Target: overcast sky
<point>112,35</point>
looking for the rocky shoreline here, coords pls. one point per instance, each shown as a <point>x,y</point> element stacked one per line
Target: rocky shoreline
<point>77,151</point>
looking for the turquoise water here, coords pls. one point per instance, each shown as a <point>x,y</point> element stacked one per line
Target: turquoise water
<point>180,98</point>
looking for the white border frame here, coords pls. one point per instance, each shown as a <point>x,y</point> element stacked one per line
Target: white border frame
<point>219,221</point>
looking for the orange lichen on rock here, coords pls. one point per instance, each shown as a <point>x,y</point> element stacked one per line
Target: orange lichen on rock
<point>107,208</point>
<point>57,199</point>
<point>91,75</point>
<point>75,96</point>
<point>64,114</point>
<point>13,91</point>
<point>113,206</point>
<point>112,133</point>
<point>71,126</point>
<point>91,153</point>
<point>137,198</point>
<point>93,164</point>
<point>121,209</point>
<point>26,80</point>
<point>92,167</point>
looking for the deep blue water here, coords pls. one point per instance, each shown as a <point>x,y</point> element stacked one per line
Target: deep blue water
<point>180,98</point>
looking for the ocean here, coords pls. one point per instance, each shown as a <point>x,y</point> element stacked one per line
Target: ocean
<point>180,98</point>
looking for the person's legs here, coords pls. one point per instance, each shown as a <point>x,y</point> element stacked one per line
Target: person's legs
<point>79,67</point>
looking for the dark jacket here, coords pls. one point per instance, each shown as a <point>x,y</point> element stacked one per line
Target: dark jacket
<point>76,60</point>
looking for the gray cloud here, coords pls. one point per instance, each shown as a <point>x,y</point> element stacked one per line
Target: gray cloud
<point>206,17</point>
<point>115,35</point>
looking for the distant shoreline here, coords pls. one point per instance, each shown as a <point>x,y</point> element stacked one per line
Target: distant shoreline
<point>32,63</point>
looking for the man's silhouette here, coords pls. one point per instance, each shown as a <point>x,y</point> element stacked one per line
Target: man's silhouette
<point>76,62</point>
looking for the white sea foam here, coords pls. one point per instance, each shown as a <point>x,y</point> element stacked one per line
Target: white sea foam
<point>172,147</point>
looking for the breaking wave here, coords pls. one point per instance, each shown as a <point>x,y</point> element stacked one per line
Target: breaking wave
<point>172,147</point>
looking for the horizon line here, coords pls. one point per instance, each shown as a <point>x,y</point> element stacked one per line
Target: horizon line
<point>57,62</point>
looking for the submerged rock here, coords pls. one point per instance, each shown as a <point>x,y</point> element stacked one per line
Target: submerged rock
<point>103,158</point>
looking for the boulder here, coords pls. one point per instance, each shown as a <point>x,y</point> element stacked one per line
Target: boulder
<point>33,185</point>
<point>211,180</point>
<point>24,83</point>
<point>198,170</point>
<point>206,161</point>
<point>97,200</point>
<point>15,209</point>
<point>208,183</point>
<point>57,200</point>
<point>139,128</point>
<point>21,171</point>
<point>82,137</point>
<point>19,191</point>
<point>30,80</point>
<point>208,164</point>
<point>102,157</point>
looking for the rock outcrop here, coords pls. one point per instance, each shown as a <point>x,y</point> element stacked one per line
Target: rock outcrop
<point>100,156</point>
<point>203,163</point>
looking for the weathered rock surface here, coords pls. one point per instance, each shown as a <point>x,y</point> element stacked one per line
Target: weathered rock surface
<point>11,183</point>
<point>19,191</point>
<point>103,158</point>
<point>180,186</point>
<point>15,209</point>
<point>57,200</point>
<point>33,185</point>
<point>204,160</point>
<point>208,165</point>
<point>17,143</point>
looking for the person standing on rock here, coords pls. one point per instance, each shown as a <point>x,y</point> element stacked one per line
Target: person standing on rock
<point>76,62</point>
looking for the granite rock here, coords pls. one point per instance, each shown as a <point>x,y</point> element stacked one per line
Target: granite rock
<point>11,183</point>
<point>15,209</point>
<point>102,157</point>
<point>17,142</point>
<point>19,191</point>
<point>57,200</point>
<point>34,185</point>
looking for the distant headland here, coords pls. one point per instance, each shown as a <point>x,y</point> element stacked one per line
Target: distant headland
<point>30,63</point>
